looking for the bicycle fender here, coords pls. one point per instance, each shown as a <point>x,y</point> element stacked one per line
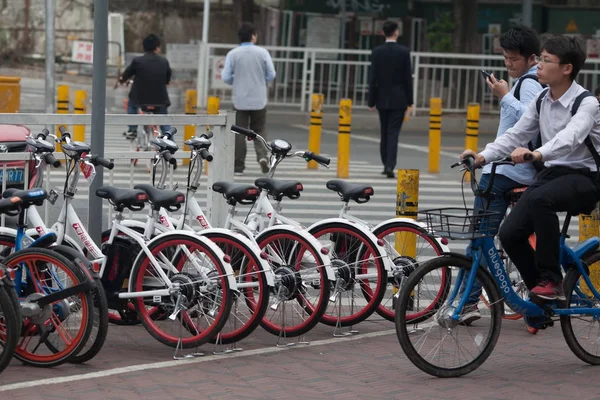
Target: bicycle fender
<point>265,266</point>
<point>419,224</point>
<point>387,262</point>
<point>229,274</point>
<point>77,258</point>
<point>310,239</point>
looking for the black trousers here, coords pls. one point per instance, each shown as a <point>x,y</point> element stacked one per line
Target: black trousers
<point>391,123</point>
<point>257,121</point>
<point>556,189</point>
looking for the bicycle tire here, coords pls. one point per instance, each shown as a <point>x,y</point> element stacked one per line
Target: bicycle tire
<point>86,301</point>
<point>403,306</point>
<point>570,283</point>
<point>349,233</point>
<point>257,308</point>
<point>315,313</point>
<point>99,334</point>
<point>11,322</point>
<point>399,227</point>
<point>149,319</point>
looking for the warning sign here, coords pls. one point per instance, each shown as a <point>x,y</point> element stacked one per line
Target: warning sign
<point>571,26</point>
<point>593,48</point>
<point>82,51</point>
<point>217,66</point>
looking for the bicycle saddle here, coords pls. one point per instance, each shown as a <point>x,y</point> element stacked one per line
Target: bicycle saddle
<point>279,188</point>
<point>351,191</point>
<point>162,198</point>
<point>28,197</point>
<point>10,204</point>
<point>236,193</point>
<point>123,198</point>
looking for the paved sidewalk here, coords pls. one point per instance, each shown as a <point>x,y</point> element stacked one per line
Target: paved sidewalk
<point>370,365</point>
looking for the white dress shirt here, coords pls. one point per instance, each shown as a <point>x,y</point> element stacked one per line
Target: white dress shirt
<point>562,135</point>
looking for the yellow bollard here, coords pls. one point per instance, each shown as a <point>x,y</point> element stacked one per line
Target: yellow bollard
<point>62,107</point>
<point>435,133</point>
<point>79,107</point>
<point>407,205</point>
<point>189,130</point>
<point>212,107</point>
<point>10,94</point>
<point>314,132</point>
<point>589,227</point>
<point>472,131</point>
<point>343,161</point>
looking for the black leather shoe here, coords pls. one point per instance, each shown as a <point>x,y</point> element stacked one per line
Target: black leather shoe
<point>389,174</point>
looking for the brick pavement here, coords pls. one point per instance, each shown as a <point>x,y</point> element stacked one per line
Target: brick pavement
<point>522,366</point>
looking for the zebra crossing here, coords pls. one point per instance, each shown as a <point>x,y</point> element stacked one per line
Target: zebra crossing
<point>316,201</point>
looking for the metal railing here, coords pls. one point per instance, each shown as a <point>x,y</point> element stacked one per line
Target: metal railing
<point>341,74</point>
<point>223,145</point>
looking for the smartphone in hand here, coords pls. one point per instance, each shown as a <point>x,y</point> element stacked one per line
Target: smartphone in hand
<point>485,74</point>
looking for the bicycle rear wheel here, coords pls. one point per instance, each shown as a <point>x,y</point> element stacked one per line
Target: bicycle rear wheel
<point>52,334</point>
<point>359,265</point>
<point>579,330</point>
<point>434,347</point>
<point>204,289</point>
<point>10,323</point>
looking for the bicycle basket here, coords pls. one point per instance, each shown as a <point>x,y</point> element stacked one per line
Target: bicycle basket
<point>461,223</point>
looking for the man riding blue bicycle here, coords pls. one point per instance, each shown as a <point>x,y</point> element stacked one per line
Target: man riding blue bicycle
<point>520,47</point>
<point>568,119</point>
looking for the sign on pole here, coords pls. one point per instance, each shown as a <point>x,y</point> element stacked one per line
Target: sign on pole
<point>217,66</point>
<point>83,51</point>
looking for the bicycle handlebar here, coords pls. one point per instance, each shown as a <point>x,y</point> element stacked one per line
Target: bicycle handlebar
<point>43,134</point>
<point>309,155</point>
<point>206,155</point>
<point>103,162</point>
<point>169,158</point>
<point>51,160</point>
<point>249,133</point>
<point>208,134</point>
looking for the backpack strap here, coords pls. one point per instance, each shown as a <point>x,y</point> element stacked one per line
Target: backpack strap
<point>587,141</point>
<point>517,92</point>
<point>538,165</point>
<point>538,102</point>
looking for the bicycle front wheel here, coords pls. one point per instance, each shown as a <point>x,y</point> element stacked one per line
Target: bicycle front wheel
<point>444,347</point>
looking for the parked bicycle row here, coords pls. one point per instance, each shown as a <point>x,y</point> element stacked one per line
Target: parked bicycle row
<point>218,285</point>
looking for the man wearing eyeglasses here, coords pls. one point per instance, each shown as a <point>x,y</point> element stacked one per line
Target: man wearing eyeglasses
<point>569,182</point>
<point>520,47</point>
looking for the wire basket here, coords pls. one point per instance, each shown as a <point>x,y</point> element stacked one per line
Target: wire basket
<point>461,223</point>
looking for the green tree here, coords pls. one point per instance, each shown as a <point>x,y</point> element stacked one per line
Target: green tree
<point>439,34</point>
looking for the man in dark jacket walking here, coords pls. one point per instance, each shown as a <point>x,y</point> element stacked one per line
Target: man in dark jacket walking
<point>152,74</point>
<point>390,91</point>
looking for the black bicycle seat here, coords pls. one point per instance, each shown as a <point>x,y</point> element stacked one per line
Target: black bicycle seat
<point>165,144</point>
<point>198,143</point>
<point>76,148</point>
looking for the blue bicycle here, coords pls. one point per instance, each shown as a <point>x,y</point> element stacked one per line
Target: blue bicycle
<point>443,346</point>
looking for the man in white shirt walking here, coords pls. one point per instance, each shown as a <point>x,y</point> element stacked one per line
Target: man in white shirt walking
<point>570,180</point>
<point>248,68</point>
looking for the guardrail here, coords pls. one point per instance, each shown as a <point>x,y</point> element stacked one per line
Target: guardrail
<point>340,73</point>
<point>223,146</point>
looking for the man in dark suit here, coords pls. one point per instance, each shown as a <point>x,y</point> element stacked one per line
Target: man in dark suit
<point>390,91</point>
<point>152,74</point>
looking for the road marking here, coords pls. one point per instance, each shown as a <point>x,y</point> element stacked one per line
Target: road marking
<point>422,149</point>
<point>175,363</point>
